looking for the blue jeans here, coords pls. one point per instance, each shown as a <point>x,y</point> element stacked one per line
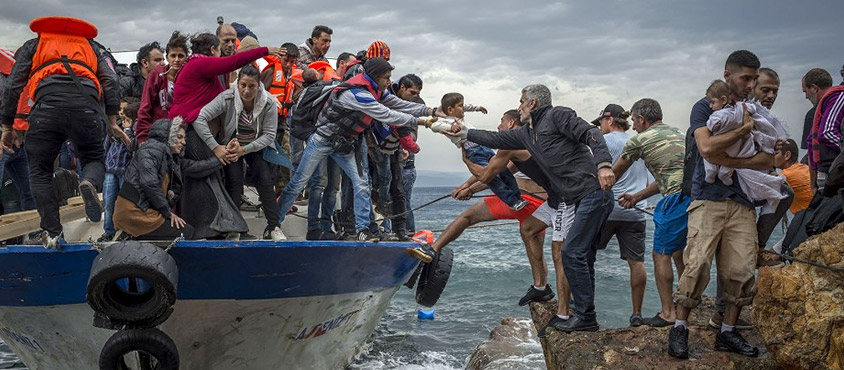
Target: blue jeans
<point>317,151</point>
<point>322,195</point>
<point>111,187</point>
<point>581,245</point>
<point>502,185</point>
<point>409,180</point>
<point>18,167</point>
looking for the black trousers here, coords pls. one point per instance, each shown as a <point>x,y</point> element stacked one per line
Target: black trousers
<point>49,128</point>
<point>264,177</point>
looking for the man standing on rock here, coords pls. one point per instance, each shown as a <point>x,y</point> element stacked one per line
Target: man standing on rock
<point>722,219</point>
<point>661,147</point>
<point>574,156</point>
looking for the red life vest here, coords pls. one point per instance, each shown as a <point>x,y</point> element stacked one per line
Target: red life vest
<point>282,86</point>
<point>352,124</point>
<point>63,40</point>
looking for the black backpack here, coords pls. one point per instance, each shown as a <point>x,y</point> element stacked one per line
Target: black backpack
<point>66,184</point>
<point>304,114</point>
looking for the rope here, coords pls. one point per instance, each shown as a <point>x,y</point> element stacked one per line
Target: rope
<point>811,263</point>
<point>388,217</point>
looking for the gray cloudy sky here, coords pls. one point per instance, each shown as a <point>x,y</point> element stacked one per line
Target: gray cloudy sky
<point>589,53</point>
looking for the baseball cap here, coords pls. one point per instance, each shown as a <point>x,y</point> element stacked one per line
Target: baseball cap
<point>612,110</point>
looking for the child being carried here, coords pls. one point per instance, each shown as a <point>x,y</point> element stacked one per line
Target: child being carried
<point>502,185</point>
<point>728,116</point>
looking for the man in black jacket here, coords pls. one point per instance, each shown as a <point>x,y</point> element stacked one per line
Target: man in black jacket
<point>560,143</point>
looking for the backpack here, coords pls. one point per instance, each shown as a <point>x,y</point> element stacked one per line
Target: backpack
<point>66,184</point>
<point>305,112</point>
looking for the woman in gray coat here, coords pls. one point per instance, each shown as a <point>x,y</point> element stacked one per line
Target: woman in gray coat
<point>248,122</point>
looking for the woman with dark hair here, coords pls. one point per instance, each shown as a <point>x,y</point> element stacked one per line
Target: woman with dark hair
<point>249,120</point>
<point>157,96</point>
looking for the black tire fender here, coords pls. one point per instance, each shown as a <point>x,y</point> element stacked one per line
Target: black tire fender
<point>133,259</point>
<point>434,277</point>
<point>152,342</point>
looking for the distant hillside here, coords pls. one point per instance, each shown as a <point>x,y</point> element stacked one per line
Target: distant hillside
<point>436,178</point>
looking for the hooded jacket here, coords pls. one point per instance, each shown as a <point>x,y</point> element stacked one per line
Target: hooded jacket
<point>132,84</point>
<point>155,101</point>
<point>560,143</point>
<point>151,163</point>
<point>228,107</point>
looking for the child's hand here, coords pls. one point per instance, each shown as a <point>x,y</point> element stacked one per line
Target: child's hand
<point>482,110</point>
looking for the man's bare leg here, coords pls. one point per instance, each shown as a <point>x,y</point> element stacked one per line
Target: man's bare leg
<point>678,263</point>
<point>476,213</point>
<point>563,290</point>
<point>638,281</point>
<point>534,239</point>
<point>664,277</point>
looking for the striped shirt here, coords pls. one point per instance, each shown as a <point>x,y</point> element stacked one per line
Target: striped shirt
<point>246,131</point>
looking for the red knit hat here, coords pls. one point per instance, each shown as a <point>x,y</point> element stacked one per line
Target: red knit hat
<point>378,49</point>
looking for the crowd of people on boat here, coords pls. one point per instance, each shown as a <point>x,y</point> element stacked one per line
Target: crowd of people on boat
<point>172,140</point>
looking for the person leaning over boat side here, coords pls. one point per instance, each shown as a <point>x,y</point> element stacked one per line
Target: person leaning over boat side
<point>796,174</point>
<point>722,220</point>
<point>249,122</point>
<point>533,218</point>
<point>157,96</point>
<point>152,183</point>
<point>68,93</point>
<point>350,111</point>
<point>560,142</point>
<point>661,147</point>
<point>627,225</point>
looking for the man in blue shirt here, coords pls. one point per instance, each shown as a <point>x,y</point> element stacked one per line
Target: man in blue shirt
<point>722,220</point>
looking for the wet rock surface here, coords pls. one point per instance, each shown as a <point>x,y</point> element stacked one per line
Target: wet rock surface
<point>800,308</point>
<point>511,345</point>
<point>644,347</point>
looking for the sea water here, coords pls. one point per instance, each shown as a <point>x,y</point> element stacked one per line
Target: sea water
<point>489,275</point>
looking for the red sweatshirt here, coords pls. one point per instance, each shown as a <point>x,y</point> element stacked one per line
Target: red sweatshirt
<point>197,83</point>
<point>152,107</point>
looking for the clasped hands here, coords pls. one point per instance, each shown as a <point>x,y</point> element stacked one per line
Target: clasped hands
<point>229,153</point>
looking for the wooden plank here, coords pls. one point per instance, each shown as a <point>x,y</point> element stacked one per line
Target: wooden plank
<point>21,223</point>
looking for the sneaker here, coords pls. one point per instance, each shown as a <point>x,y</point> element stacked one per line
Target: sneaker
<point>519,205</point>
<point>732,341</point>
<point>367,236</point>
<point>53,242</point>
<point>658,322</point>
<point>234,235</point>
<point>424,253</point>
<point>556,322</point>
<point>313,235</point>
<point>536,295</point>
<point>105,238</point>
<point>401,236</point>
<point>678,342</point>
<point>636,320</point>
<point>93,205</point>
<point>275,234</point>
<point>576,324</point>
<point>329,235</point>
<point>718,318</point>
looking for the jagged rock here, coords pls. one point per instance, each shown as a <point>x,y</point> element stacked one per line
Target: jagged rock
<point>644,347</point>
<point>800,308</point>
<point>514,339</point>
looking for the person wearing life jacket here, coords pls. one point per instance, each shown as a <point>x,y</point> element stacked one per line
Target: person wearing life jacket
<point>326,72</point>
<point>69,81</point>
<point>825,136</point>
<point>349,111</point>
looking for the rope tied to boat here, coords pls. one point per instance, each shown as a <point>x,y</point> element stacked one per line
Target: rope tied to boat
<point>811,263</point>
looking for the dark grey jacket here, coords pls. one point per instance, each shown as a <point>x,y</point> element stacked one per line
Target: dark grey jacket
<point>560,142</point>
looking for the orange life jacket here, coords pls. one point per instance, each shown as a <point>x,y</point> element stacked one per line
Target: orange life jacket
<point>22,114</point>
<point>63,39</point>
<point>324,68</point>
<point>282,86</point>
